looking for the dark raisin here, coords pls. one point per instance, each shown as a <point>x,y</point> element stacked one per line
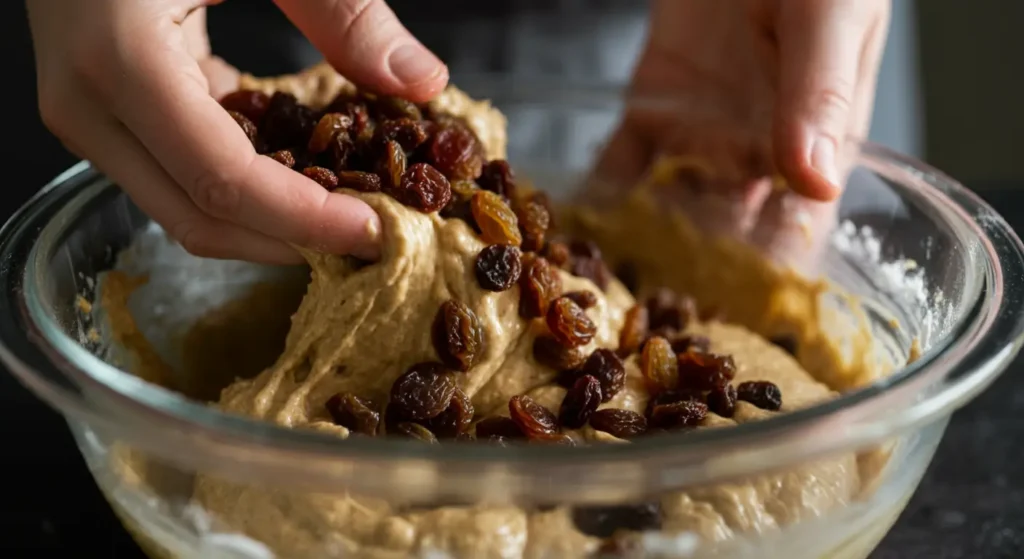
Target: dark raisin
<point>327,129</point>
<point>252,104</point>
<point>497,222</point>
<point>584,248</point>
<point>580,402</point>
<point>534,219</point>
<point>624,424</point>
<point>722,400</point>
<point>353,413</point>
<point>359,180</point>
<point>497,176</point>
<point>692,342</point>
<point>407,132</point>
<point>287,123</point>
<point>284,157</point>
<point>554,438</point>
<point>362,126</point>
<point>455,419</point>
<point>498,267</point>
<point>533,419</point>
<point>457,335</point>
<point>763,394</point>
<point>566,377</point>
<point>667,309</point>
<point>680,415</point>
<point>569,323</point>
<point>324,177</point>
<point>395,107</point>
<point>787,343</point>
<point>670,397</point>
<point>391,164</point>
<point>341,152</point>
<point>628,275</point>
<point>584,298</point>
<point>659,365</point>
<point>423,188</point>
<point>551,353</point>
<point>557,252</point>
<point>607,368</point>
<point>422,392</point>
<point>246,125</point>
<point>594,269</point>
<point>415,431</point>
<point>455,151</point>
<point>604,521</point>
<point>498,426</point>
<point>704,371</point>
<point>634,330</point>
<point>459,206</point>
<point>539,284</point>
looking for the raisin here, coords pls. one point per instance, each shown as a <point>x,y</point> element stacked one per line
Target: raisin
<point>246,125</point>
<point>569,324</point>
<point>459,206</point>
<point>551,353</point>
<point>620,545</point>
<point>704,371</point>
<point>584,298</point>
<point>330,125</point>
<point>680,415</point>
<point>455,419</point>
<point>457,335</point>
<point>252,104</point>
<point>498,426</point>
<point>415,431</point>
<point>407,132</point>
<point>722,400</point>
<point>607,368</point>
<point>594,269</point>
<point>624,424</point>
<point>533,419</point>
<point>787,343</point>
<point>396,107</point>
<point>455,151</point>
<point>497,222</point>
<point>667,309</point>
<point>554,438</point>
<point>580,402</point>
<point>341,152</point>
<point>584,248</point>
<point>712,314</point>
<point>670,397</point>
<point>539,284</point>
<point>324,177</point>
<point>284,157</point>
<point>497,176</point>
<point>557,252</point>
<point>287,123</point>
<point>353,413</point>
<point>659,365</point>
<point>534,219</point>
<point>604,521</point>
<point>422,392</point>
<point>628,275</point>
<point>691,342</point>
<point>423,188</point>
<point>362,126</point>
<point>567,377</point>
<point>359,180</point>
<point>763,394</point>
<point>498,267</point>
<point>391,164</point>
<point>634,330</point>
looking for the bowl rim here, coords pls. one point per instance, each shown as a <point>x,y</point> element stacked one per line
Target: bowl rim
<point>82,386</point>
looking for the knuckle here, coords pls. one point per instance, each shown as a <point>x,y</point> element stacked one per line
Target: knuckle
<point>832,104</point>
<point>216,194</point>
<point>349,14</point>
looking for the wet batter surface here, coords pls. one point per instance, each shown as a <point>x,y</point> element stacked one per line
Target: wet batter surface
<point>358,327</point>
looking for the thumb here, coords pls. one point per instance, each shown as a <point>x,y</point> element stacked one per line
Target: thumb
<point>367,44</point>
<point>820,46</point>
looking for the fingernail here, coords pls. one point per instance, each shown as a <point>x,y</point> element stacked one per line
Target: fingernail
<point>823,159</point>
<point>412,64</point>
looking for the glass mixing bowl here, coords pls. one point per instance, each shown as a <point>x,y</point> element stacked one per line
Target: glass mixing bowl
<point>936,272</point>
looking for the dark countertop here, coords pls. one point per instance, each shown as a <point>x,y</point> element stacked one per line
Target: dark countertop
<point>969,505</point>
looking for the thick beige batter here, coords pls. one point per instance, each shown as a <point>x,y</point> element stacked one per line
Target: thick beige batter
<point>358,329</point>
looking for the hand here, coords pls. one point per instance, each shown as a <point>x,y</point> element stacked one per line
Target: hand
<point>792,82</point>
<point>132,87</point>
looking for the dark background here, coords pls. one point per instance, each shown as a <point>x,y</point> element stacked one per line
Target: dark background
<point>971,503</point>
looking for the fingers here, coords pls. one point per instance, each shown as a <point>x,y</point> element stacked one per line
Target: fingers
<point>163,98</point>
<point>820,47</point>
<point>366,43</point>
<point>112,149</point>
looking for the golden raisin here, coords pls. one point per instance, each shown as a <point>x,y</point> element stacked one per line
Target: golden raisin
<point>457,335</point>
<point>391,165</point>
<point>550,352</point>
<point>534,219</point>
<point>539,284</point>
<point>497,222</point>
<point>634,330</point>
<point>569,324</point>
<point>329,126</point>
<point>659,365</point>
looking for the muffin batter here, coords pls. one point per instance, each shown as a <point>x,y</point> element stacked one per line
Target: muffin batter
<point>359,327</point>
